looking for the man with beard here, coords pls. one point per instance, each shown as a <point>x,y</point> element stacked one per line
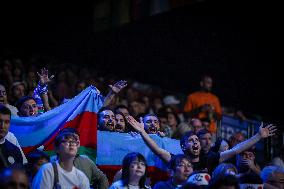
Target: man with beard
<point>120,123</point>
<point>106,120</point>
<point>152,125</point>
<point>203,104</point>
<point>190,145</point>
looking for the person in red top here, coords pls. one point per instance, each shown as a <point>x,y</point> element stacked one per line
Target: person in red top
<point>203,104</point>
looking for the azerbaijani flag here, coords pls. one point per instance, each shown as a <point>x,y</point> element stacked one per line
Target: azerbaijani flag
<point>79,112</point>
<point>107,149</point>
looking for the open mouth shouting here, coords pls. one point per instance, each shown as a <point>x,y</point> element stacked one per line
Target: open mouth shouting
<point>119,128</point>
<point>153,130</point>
<point>110,125</point>
<point>195,149</point>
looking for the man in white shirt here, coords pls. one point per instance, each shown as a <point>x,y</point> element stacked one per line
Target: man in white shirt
<point>62,174</point>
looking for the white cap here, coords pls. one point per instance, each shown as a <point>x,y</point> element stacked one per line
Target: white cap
<point>170,99</point>
<point>200,179</point>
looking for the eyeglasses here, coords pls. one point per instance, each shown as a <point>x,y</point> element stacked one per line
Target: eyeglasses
<point>187,165</point>
<point>70,142</point>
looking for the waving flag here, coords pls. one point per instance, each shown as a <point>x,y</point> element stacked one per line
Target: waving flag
<point>80,113</point>
<point>106,148</point>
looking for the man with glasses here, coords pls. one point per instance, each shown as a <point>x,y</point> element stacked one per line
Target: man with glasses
<point>82,162</point>
<point>180,168</point>
<point>62,173</point>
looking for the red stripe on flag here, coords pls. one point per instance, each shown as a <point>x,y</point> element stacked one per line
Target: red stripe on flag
<point>86,125</point>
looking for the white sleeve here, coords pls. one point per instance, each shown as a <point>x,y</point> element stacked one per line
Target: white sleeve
<point>11,138</point>
<point>44,177</point>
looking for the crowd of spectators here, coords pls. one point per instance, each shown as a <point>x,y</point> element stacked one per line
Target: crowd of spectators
<point>34,86</point>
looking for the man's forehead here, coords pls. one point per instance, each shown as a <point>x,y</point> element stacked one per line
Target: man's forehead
<point>107,112</point>
<point>30,101</point>
<point>151,118</point>
<point>5,116</point>
<point>206,135</point>
<point>192,137</point>
<point>247,153</point>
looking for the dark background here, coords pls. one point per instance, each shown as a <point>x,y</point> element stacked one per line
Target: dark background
<point>231,40</point>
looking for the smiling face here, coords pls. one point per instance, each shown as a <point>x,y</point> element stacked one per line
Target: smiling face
<point>107,120</point>
<point>151,124</point>
<point>120,123</point>
<point>29,108</point>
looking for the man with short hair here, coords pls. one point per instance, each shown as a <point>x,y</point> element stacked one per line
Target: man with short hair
<point>190,145</point>
<point>196,125</point>
<point>82,162</point>
<point>106,120</point>
<point>9,153</point>
<point>4,100</point>
<point>246,163</point>
<point>180,168</point>
<point>62,173</point>
<point>27,107</point>
<point>204,104</point>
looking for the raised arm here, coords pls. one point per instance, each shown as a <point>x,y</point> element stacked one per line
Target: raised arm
<point>114,89</point>
<point>40,93</point>
<point>139,127</point>
<point>263,132</point>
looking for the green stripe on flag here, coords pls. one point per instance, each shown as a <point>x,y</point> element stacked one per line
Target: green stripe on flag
<point>91,153</point>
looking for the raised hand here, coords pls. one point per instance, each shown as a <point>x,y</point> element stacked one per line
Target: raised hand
<point>249,163</point>
<point>43,76</point>
<point>267,131</point>
<point>139,127</point>
<point>161,134</point>
<point>118,86</point>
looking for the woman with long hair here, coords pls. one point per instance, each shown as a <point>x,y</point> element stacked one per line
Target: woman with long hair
<point>134,172</point>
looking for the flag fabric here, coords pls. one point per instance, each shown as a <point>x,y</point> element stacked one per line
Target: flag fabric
<point>112,147</point>
<point>79,112</point>
<point>107,149</point>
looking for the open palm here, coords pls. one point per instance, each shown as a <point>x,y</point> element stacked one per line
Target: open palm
<point>267,131</point>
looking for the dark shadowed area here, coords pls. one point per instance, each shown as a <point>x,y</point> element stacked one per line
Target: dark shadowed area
<point>231,41</point>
